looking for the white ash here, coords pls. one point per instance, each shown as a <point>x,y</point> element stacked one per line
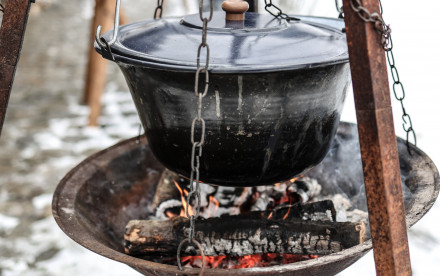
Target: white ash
<point>344,209</point>
<point>224,195</point>
<point>245,194</point>
<point>232,200</point>
<point>341,202</point>
<point>313,186</point>
<point>321,216</point>
<point>164,207</point>
<point>261,204</point>
<point>357,215</point>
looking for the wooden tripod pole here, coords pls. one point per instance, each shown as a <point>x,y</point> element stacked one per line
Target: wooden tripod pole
<point>378,143</point>
<point>12,31</point>
<point>97,66</point>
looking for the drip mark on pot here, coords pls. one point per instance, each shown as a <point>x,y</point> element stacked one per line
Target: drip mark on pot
<point>273,140</point>
<point>217,103</point>
<point>240,92</point>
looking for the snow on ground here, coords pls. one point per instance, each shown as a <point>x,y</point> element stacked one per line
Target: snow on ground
<point>45,133</point>
<point>43,249</point>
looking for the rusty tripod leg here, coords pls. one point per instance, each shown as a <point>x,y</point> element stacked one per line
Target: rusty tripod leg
<point>378,143</point>
<point>12,30</point>
<point>97,66</point>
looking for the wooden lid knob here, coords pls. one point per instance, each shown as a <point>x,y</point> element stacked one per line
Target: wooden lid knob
<point>235,9</point>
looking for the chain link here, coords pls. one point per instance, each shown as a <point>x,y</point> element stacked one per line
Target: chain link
<point>399,94</point>
<point>276,12</point>
<point>179,249</point>
<point>193,198</point>
<point>341,10</point>
<point>2,8</point>
<point>159,9</point>
<point>387,44</point>
<point>376,19</point>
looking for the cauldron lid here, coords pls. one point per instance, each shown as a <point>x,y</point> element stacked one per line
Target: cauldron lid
<point>259,44</point>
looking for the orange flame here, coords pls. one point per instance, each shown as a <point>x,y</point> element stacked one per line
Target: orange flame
<point>212,211</point>
<point>296,178</point>
<point>170,214</point>
<point>185,205</point>
<point>288,211</point>
<point>270,215</point>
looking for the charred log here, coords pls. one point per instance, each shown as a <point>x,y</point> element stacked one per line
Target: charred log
<point>239,236</point>
<point>315,211</point>
<point>166,189</point>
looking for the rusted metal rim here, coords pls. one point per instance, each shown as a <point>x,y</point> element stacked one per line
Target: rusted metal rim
<point>68,208</point>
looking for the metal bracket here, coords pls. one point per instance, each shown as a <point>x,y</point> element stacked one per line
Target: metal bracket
<point>107,50</point>
<point>98,38</point>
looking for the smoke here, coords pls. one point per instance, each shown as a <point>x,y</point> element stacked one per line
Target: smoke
<point>341,173</point>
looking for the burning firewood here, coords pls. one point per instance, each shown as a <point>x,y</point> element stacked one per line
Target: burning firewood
<point>272,219</point>
<point>314,211</point>
<point>172,190</point>
<point>166,189</point>
<point>241,235</point>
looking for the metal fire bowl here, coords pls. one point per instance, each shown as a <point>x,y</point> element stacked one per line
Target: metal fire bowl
<point>95,200</point>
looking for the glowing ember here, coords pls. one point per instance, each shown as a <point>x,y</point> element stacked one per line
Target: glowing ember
<point>270,215</point>
<point>288,212</point>
<point>248,261</point>
<point>260,260</point>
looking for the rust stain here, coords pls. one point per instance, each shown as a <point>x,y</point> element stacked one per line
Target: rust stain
<point>378,143</point>
<point>11,40</point>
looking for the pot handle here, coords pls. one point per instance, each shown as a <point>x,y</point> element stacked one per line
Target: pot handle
<point>98,37</point>
<point>235,9</point>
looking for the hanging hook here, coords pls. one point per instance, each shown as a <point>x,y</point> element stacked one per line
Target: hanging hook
<point>115,29</point>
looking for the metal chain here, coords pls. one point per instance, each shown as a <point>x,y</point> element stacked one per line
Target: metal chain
<point>375,18</point>
<point>198,142</point>
<point>277,12</point>
<point>2,8</point>
<point>159,9</point>
<point>341,10</point>
<point>399,92</point>
<point>387,43</point>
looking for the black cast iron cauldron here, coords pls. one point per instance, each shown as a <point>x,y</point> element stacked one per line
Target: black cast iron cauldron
<point>276,93</point>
